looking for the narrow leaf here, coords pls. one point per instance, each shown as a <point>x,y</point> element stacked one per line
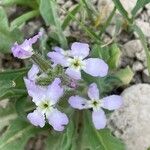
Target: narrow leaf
<point>144,43</point>
<point>67,19</point>
<point>23,18</point>
<point>32,4</point>
<point>121,9</point>
<point>140,4</point>
<point>48,9</point>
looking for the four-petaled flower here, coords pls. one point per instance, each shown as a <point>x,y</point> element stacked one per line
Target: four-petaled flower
<point>45,98</point>
<point>74,60</point>
<point>25,50</point>
<point>96,103</point>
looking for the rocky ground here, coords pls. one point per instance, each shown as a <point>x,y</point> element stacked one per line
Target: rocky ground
<point>131,123</point>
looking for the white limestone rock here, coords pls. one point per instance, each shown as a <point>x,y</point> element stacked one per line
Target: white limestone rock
<point>131,122</point>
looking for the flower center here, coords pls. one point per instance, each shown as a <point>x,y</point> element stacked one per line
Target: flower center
<point>45,106</point>
<point>76,63</point>
<point>95,104</point>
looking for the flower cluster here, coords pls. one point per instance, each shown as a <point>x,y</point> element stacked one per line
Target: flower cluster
<point>46,98</point>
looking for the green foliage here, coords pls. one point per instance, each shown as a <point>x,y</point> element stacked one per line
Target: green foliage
<point>106,84</point>
<point>91,11</point>
<point>80,133</point>
<point>122,10</point>
<point>48,9</point>
<point>32,4</point>
<point>7,114</point>
<point>140,4</point>
<point>144,43</point>
<point>111,54</point>
<point>23,18</point>
<point>17,135</point>
<point>111,82</point>
<point>100,140</point>
<point>83,137</point>
<point>65,141</point>
<point>125,75</point>
<point>68,18</point>
<point>7,36</point>
<point>117,78</point>
<point>11,83</point>
<point>3,18</point>
<point>108,21</point>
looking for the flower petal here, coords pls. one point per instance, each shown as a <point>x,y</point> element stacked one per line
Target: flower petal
<point>35,91</point>
<point>58,49</point>
<point>57,120</point>
<point>35,38</point>
<point>75,74</point>
<point>25,50</point>
<point>77,102</point>
<point>32,74</point>
<point>93,91</point>
<point>55,91</point>
<point>96,67</point>
<point>112,102</point>
<point>21,53</point>
<point>80,49</point>
<point>36,118</point>
<point>99,119</point>
<point>58,58</point>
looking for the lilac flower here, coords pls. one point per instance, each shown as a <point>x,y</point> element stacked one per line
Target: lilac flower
<point>96,103</point>
<point>75,61</point>
<point>25,50</point>
<point>45,98</point>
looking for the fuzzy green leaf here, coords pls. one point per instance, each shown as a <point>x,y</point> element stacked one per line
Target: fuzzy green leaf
<point>17,135</point>
<point>110,54</point>
<point>8,38</point>
<point>11,83</point>
<point>64,140</point>
<point>101,140</point>
<point>7,114</point>
<point>111,82</point>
